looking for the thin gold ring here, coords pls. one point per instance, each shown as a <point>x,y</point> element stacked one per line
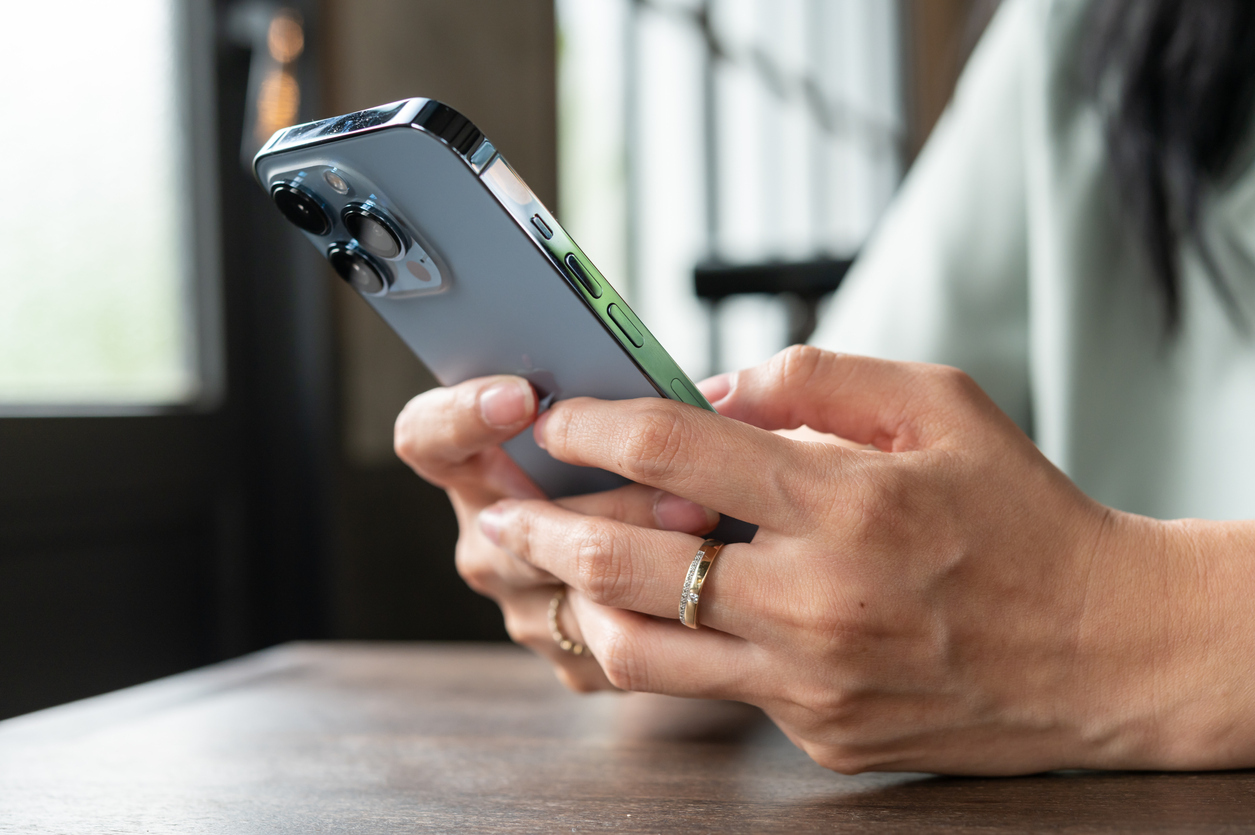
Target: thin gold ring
<point>693,581</point>
<point>565,643</point>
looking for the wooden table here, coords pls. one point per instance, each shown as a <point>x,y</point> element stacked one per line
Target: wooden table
<point>370,738</point>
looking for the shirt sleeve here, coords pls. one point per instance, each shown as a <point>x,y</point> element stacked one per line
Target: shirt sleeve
<point>944,277</point>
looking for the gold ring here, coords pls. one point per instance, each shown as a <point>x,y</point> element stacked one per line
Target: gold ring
<point>565,643</point>
<point>693,581</point>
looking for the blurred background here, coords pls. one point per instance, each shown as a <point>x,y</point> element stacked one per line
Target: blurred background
<point>196,415</point>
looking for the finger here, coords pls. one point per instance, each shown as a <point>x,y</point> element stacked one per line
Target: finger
<point>893,406</point>
<point>627,567</point>
<point>487,568</point>
<point>443,433</point>
<point>645,507</point>
<point>527,622</point>
<point>644,654</point>
<point>726,465</point>
<point>491,571</point>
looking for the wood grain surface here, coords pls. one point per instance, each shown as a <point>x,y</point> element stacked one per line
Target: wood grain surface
<point>459,738</point>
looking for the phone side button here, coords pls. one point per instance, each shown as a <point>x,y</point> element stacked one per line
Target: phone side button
<point>684,393</point>
<point>629,330</point>
<point>542,227</point>
<point>582,275</point>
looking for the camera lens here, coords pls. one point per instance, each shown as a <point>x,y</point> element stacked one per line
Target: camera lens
<point>302,208</point>
<point>357,269</point>
<point>376,233</point>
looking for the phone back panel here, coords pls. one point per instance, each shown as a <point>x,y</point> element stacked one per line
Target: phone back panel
<point>501,307</point>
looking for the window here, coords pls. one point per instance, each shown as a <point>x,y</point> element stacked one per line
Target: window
<point>98,305</point>
<point>736,130</point>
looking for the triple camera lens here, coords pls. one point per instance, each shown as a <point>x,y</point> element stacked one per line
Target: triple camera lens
<point>302,208</point>
<point>374,231</point>
<point>357,268</point>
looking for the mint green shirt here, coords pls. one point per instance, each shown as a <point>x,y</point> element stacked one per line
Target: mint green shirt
<point>1005,255</point>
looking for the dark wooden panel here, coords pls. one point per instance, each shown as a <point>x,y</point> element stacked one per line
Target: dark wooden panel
<point>466,738</point>
<point>80,620</point>
<point>396,578</point>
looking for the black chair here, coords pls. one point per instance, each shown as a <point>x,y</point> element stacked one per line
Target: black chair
<point>804,284</point>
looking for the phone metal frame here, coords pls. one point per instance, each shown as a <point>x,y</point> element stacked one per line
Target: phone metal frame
<point>474,149</point>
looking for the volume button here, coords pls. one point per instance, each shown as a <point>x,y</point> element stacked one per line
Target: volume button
<point>542,227</point>
<point>577,269</point>
<point>684,392</point>
<point>629,330</point>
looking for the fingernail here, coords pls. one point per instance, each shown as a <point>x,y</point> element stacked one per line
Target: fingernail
<point>716,388</point>
<point>491,520</point>
<point>676,514</point>
<point>507,403</point>
<point>538,432</point>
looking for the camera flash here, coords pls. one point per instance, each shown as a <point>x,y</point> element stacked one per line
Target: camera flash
<point>335,181</point>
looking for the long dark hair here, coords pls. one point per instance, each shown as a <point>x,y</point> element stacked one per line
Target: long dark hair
<point>1175,82</point>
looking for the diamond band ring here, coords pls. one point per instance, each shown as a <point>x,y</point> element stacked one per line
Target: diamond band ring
<point>691,594</point>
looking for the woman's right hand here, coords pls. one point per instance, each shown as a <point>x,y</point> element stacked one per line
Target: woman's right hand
<point>452,437</point>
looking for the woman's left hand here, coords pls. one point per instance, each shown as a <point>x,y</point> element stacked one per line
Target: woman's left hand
<point>947,602</point>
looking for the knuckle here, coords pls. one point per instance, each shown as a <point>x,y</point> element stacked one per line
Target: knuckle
<point>522,628</point>
<point>872,509</point>
<point>949,382</point>
<point>404,437</point>
<point>519,541</point>
<point>602,571</point>
<point>803,485</point>
<point>620,662</point>
<point>434,430</point>
<point>653,443</point>
<point>835,630</point>
<point>559,433</point>
<point>462,437</point>
<point>473,566</point>
<point>830,617</point>
<point>839,709</point>
<point>878,506</point>
<point>839,758</point>
<point>797,365</point>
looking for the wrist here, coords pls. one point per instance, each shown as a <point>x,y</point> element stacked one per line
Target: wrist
<point>1208,690</point>
<point>1168,638</point>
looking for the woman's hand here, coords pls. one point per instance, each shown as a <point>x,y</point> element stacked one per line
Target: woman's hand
<point>951,602</point>
<point>451,437</point>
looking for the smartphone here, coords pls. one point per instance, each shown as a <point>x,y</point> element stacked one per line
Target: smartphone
<point>419,213</point>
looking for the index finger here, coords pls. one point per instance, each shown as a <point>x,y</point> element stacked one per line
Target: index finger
<point>720,463</point>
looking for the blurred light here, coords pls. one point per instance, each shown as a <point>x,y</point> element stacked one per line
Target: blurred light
<point>286,37</point>
<point>104,322</point>
<point>278,100</point>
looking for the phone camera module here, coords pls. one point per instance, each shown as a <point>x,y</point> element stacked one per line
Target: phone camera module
<point>302,208</point>
<point>374,231</point>
<point>358,269</point>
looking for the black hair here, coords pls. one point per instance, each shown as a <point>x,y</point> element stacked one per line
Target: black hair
<point>1174,81</point>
